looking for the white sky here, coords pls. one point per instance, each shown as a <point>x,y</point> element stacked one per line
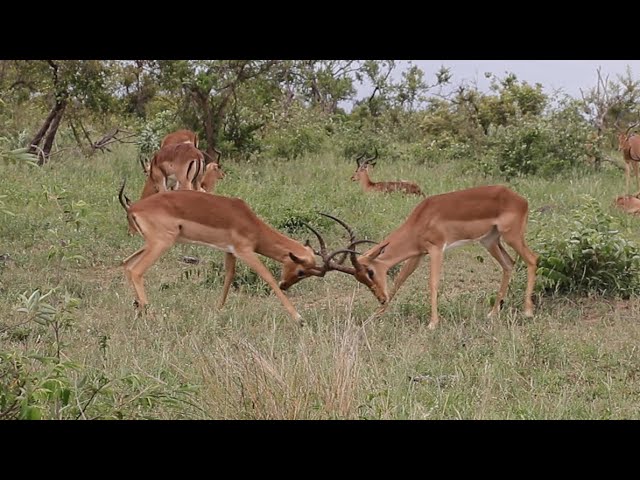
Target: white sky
<point>568,75</point>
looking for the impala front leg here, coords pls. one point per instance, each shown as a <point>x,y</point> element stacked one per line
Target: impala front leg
<point>407,269</point>
<point>229,270</point>
<point>257,266</point>
<point>436,255</point>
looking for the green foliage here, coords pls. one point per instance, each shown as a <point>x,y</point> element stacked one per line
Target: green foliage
<point>295,133</point>
<point>592,257</point>
<point>34,386</point>
<point>539,146</point>
<point>151,133</point>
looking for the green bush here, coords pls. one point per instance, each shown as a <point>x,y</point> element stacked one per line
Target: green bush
<point>592,258</point>
<point>540,146</point>
<point>295,133</point>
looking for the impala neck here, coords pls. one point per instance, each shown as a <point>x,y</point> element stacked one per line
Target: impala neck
<point>275,245</point>
<point>365,181</point>
<point>148,189</point>
<point>402,245</point>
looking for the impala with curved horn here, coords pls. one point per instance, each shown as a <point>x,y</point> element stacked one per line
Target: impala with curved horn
<point>441,222</point>
<point>212,173</point>
<point>362,175</point>
<point>224,223</point>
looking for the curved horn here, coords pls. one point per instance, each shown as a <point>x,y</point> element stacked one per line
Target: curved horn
<point>371,161</point>
<point>352,235</point>
<point>124,200</point>
<point>630,127</point>
<point>323,246</point>
<point>144,165</point>
<point>219,155</point>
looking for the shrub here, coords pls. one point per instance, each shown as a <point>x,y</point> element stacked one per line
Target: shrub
<point>592,258</point>
<point>540,146</point>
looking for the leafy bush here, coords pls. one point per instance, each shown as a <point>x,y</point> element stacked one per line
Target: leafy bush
<point>46,385</point>
<point>541,146</point>
<point>592,258</point>
<point>151,133</point>
<point>295,133</point>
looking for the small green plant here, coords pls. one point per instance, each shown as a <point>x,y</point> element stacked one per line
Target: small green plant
<point>592,258</point>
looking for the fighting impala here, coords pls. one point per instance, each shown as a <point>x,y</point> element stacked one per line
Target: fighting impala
<point>439,223</point>
<point>224,223</point>
<point>362,175</point>
<point>629,145</point>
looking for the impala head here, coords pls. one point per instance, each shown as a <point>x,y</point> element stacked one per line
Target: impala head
<point>623,137</point>
<point>366,269</point>
<point>371,272</point>
<point>298,267</point>
<point>362,165</point>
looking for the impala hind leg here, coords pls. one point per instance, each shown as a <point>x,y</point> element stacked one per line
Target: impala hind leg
<point>635,172</point>
<point>229,271</point>
<point>517,242</point>
<point>256,265</point>
<point>138,263</point>
<point>498,252</point>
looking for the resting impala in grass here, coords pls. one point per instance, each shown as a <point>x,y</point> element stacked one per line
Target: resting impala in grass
<point>439,223</point>
<point>628,204</point>
<point>224,223</point>
<point>629,145</point>
<point>362,175</point>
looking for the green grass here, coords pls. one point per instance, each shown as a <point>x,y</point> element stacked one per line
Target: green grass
<point>577,358</point>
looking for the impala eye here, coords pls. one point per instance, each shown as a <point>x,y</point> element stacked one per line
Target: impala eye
<point>301,273</point>
<point>370,273</point>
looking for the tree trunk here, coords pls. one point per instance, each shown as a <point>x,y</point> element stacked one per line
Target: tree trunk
<point>43,130</point>
<point>48,132</point>
<point>51,135</point>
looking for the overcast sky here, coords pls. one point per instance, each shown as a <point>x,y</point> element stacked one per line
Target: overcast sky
<point>569,75</point>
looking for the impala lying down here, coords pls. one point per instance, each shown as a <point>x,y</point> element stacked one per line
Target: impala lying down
<point>227,224</point>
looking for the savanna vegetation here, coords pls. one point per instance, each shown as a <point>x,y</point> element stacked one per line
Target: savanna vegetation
<point>72,347</point>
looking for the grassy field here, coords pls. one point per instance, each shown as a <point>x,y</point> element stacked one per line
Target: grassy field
<point>577,358</point>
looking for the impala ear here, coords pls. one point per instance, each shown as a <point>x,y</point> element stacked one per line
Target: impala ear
<point>295,259</point>
<point>378,252</point>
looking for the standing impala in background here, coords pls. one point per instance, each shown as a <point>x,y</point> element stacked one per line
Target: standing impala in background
<point>629,145</point>
<point>224,223</point>
<point>441,222</point>
<point>180,161</point>
<point>362,175</point>
<point>180,136</point>
<point>185,165</point>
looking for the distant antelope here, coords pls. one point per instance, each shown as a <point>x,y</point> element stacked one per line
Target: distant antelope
<point>212,173</point>
<point>362,175</point>
<point>180,136</point>
<point>629,145</point>
<point>628,204</point>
